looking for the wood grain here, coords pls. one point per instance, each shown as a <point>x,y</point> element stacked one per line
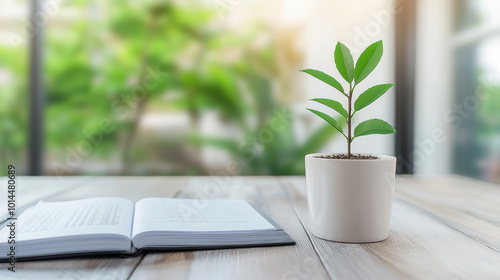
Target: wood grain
<point>418,247</point>
<point>30,190</point>
<point>133,188</point>
<point>467,205</point>
<point>281,262</point>
<point>444,227</point>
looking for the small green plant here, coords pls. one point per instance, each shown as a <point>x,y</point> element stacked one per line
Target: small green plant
<point>366,63</point>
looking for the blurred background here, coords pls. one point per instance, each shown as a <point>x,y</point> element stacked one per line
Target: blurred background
<point>212,87</point>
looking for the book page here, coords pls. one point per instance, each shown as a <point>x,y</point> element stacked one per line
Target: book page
<point>107,215</point>
<point>191,215</point>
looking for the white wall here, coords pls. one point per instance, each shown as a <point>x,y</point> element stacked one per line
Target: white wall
<point>433,91</point>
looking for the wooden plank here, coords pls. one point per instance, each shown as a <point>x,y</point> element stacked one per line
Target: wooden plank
<point>29,190</point>
<point>281,262</point>
<point>98,268</point>
<point>132,188</point>
<point>418,247</point>
<point>464,204</point>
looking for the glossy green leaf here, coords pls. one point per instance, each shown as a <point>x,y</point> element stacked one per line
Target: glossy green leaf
<point>373,126</point>
<point>332,104</point>
<point>370,95</point>
<point>329,120</point>
<point>344,62</point>
<point>325,78</point>
<point>367,61</point>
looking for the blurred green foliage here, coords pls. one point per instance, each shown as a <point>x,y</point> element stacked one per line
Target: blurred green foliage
<point>157,57</point>
<point>13,107</point>
<point>488,113</point>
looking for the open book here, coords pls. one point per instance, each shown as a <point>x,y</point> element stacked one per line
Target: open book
<point>117,226</point>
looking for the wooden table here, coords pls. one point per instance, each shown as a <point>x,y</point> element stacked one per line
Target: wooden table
<point>445,227</point>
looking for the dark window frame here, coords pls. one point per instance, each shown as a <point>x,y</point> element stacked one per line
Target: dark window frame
<point>405,85</point>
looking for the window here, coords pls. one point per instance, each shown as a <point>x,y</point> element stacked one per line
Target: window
<point>185,87</point>
<point>458,88</point>
<point>13,84</point>
<point>477,89</point>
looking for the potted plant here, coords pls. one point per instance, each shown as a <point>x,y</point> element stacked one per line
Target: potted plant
<point>350,195</point>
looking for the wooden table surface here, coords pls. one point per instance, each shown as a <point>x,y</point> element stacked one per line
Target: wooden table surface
<point>444,227</point>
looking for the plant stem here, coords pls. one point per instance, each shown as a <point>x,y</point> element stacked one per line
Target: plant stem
<point>349,118</point>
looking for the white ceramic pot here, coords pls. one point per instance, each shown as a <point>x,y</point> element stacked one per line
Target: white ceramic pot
<point>350,200</point>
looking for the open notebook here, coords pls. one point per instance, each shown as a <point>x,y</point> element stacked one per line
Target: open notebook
<point>116,226</point>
